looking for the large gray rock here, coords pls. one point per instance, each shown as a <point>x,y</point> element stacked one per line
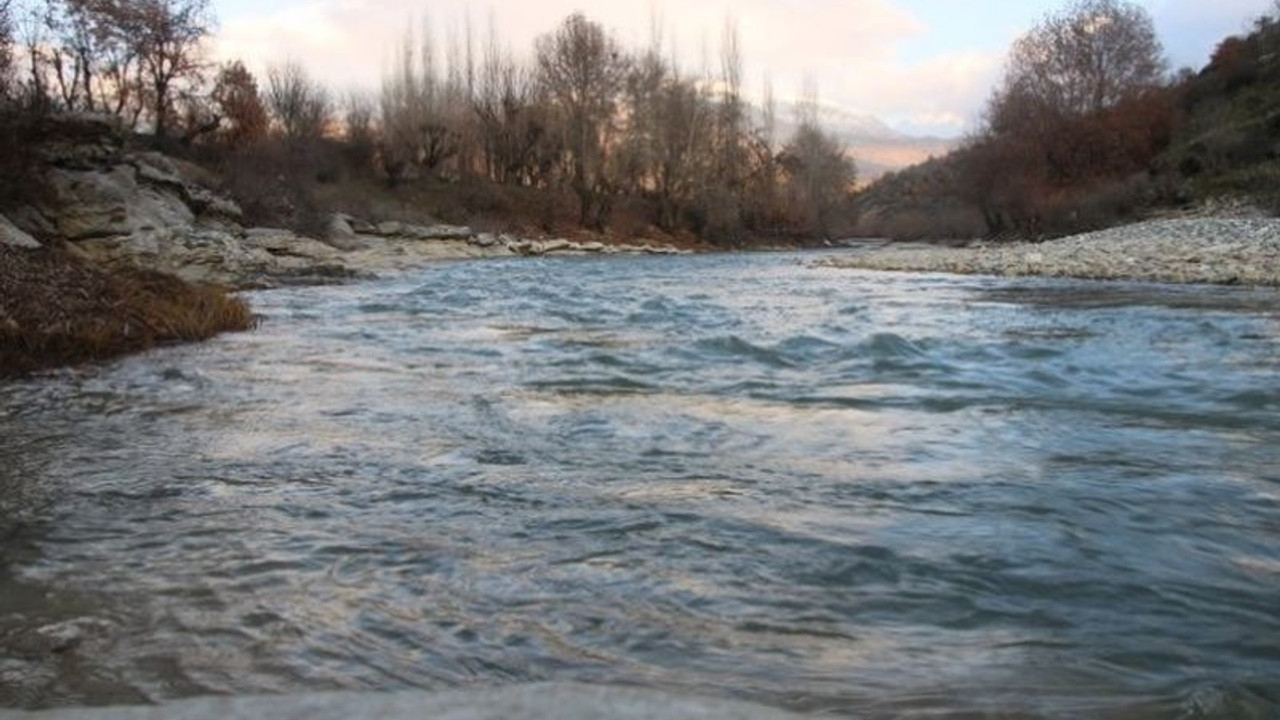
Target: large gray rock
<point>340,228</point>
<point>390,228</point>
<point>529,702</point>
<point>290,250</point>
<point>557,245</point>
<point>84,204</point>
<point>162,173</point>
<point>195,254</point>
<point>13,236</point>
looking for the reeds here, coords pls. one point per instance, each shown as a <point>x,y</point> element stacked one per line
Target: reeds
<point>58,310</point>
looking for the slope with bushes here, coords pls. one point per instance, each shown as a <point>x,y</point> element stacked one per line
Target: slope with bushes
<point>1065,150</point>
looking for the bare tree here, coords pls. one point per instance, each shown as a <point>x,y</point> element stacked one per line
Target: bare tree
<point>1087,58</point>
<point>168,38</point>
<point>820,174</point>
<point>513,127</point>
<point>358,128</point>
<point>133,58</point>
<point>302,108</point>
<point>419,110</point>
<point>583,70</point>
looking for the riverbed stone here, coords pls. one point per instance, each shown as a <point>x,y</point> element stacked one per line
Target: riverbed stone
<point>545,701</point>
<point>557,245</point>
<point>390,228</point>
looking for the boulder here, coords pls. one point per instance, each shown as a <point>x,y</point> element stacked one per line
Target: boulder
<point>390,228</point>
<point>484,240</point>
<point>592,247</point>
<point>155,168</point>
<point>285,244</point>
<point>558,245</point>
<point>437,232</point>
<point>13,236</point>
<point>362,227</point>
<point>198,255</point>
<point>162,173</point>
<point>84,204</point>
<point>341,235</point>
<point>340,228</point>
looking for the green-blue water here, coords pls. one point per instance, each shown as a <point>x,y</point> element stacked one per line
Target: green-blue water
<point>871,495</point>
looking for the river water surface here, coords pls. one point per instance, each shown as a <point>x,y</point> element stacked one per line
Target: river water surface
<point>864,495</point>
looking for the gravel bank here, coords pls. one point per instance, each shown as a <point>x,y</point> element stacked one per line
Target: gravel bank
<point>1202,250</point>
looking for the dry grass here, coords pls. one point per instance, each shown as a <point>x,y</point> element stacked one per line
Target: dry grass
<point>56,310</point>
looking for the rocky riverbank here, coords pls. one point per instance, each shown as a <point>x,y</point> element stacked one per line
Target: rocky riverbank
<point>1223,251</point>
<point>128,209</point>
<point>116,250</point>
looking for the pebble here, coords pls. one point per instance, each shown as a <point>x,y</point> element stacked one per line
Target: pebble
<point>1225,251</point>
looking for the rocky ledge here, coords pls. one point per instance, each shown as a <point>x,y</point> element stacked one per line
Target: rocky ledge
<point>1224,251</point>
<point>128,210</point>
<point>530,702</point>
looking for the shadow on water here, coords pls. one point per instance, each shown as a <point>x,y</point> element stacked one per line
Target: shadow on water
<point>858,494</point>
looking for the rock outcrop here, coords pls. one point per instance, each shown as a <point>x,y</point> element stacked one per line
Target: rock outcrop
<point>123,209</point>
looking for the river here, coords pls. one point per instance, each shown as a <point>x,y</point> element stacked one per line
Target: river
<point>864,495</point>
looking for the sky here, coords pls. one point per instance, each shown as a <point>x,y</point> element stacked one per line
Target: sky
<point>924,67</point>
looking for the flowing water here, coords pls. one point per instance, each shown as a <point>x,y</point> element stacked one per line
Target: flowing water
<point>864,495</point>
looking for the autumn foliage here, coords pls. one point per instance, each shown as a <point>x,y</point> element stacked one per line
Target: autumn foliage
<point>1083,106</point>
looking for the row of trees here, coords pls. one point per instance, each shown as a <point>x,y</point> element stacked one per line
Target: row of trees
<point>137,59</point>
<point>583,116</point>
<point>604,122</point>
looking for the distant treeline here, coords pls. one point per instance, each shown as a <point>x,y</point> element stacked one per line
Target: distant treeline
<point>1088,128</point>
<point>583,117</point>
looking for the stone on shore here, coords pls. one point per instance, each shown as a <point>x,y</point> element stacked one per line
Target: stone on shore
<point>438,232</point>
<point>557,245</point>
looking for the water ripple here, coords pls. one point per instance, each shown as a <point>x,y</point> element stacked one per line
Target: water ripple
<point>858,494</point>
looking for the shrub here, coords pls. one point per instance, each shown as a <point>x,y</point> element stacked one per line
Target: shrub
<point>57,310</point>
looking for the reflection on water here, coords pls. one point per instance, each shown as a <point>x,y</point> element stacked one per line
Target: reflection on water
<point>868,495</point>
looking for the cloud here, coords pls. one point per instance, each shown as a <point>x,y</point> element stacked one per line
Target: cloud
<point>349,41</point>
<point>942,94</point>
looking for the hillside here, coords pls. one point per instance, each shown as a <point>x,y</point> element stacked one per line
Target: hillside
<point>1228,142</point>
<point>1216,143</point>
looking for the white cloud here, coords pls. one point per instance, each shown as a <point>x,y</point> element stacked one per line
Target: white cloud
<point>853,49</point>
<point>348,42</point>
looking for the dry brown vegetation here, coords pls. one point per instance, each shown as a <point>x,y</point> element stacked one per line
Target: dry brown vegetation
<point>1087,131</point>
<point>56,310</point>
